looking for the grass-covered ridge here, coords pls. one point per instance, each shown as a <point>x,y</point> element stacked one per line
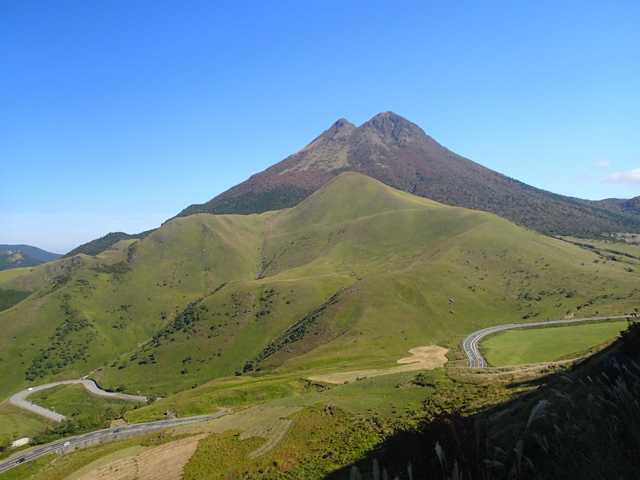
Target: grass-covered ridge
<point>350,279</point>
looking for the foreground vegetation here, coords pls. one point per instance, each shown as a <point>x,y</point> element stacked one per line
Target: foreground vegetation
<point>584,423</point>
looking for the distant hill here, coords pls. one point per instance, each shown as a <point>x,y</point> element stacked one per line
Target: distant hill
<point>400,154</point>
<point>99,245</point>
<point>33,252</point>
<point>16,259</point>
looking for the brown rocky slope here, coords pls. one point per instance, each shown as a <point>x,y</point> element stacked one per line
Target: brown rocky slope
<point>398,153</point>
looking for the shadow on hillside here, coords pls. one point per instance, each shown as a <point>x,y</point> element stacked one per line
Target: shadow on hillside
<point>535,382</point>
<point>554,431</point>
<point>462,439</point>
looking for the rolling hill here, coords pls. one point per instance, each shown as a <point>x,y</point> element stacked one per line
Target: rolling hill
<point>18,283</point>
<point>352,277</point>
<point>398,153</point>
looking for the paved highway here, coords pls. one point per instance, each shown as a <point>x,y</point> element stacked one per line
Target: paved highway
<point>19,398</point>
<point>99,436</point>
<point>470,344</point>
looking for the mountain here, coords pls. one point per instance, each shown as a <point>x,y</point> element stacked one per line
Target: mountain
<point>99,245</point>
<point>400,154</point>
<point>351,278</point>
<point>33,252</point>
<point>16,259</point>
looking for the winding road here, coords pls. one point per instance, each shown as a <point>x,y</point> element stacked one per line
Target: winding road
<point>470,344</point>
<point>72,443</point>
<point>19,399</point>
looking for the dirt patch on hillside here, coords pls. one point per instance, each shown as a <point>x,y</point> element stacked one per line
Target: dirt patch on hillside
<point>167,461</point>
<point>431,356</point>
<point>423,358</point>
<point>120,465</point>
<point>118,423</point>
<point>123,469</point>
<point>164,462</point>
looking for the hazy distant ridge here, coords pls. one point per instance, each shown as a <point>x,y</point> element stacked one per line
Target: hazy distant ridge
<point>33,252</point>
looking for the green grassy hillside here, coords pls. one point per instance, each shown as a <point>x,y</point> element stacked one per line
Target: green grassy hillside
<point>351,278</point>
<point>30,279</point>
<point>403,259</point>
<point>88,317</point>
<point>217,336</point>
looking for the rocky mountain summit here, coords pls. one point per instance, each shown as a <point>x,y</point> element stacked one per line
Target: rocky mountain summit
<point>400,154</point>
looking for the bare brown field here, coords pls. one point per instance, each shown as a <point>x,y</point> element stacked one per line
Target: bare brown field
<point>115,465</point>
<point>422,358</point>
<point>167,461</point>
<point>123,469</point>
<point>164,462</point>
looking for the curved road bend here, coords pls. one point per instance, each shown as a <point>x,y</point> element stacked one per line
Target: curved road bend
<point>103,435</point>
<point>470,344</point>
<point>19,398</point>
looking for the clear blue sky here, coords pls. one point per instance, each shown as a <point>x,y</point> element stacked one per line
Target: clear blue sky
<point>116,115</point>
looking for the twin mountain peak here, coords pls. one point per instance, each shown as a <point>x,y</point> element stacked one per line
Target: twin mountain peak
<point>401,155</point>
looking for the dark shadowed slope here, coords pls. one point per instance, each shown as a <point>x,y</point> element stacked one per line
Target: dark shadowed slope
<point>399,153</point>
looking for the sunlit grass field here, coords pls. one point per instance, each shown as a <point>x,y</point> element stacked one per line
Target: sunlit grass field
<point>19,423</point>
<point>518,347</point>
